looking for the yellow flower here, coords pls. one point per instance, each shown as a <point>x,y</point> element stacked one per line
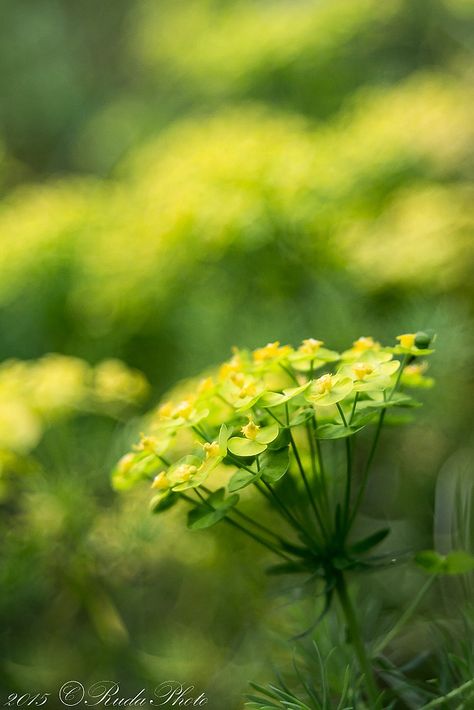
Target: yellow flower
<point>310,346</point>
<point>185,472</point>
<point>183,409</point>
<point>205,385</point>
<point>125,464</point>
<point>212,449</point>
<point>233,366</point>
<point>250,430</point>
<point>324,384</point>
<point>361,369</point>
<point>160,482</point>
<point>270,351</point>
<point>238,378</point>
<point>407,340</point>
<point>147,443</point>
<point>248,390</point>
<point>364,343</point>
<point>165,411</point>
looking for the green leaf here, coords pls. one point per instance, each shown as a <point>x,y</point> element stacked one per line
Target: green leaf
<point>211,512</point>
<point>224,435</point>
<point>301,417</point>
<point>274,399</point>
<point>430,561</point>
<point>334,431</point>
<point>202,517</point>
<point>162,501</point>
<point>371,541</point>
<point>459,562</point>
<point>282,440</point>
<point>242,479</point>
<point>456,562</point>
<point>267,434</point>
<point>239,446</point>
<point>218,500</point>
<point>396,400</point>
<point>274,465</point>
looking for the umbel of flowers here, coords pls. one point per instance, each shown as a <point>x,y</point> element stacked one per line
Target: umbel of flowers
<point>271,419</point>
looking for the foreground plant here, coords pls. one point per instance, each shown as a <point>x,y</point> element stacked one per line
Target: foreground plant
<point>266,419</point>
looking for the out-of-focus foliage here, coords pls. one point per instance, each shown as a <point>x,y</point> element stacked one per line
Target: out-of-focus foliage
<point>180,176</point>
<point>37,395</point>
<point>243,193</point>
<point>305,55</point>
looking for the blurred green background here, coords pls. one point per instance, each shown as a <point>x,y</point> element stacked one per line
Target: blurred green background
<point>178,176</point>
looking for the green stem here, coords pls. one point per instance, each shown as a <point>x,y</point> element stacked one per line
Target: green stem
<point>306,484</point>
<point>163,460</point>
<point>288,515</point>
<point>235,524</point>
<point>289,373</point>
<point>407,614</point>
<point>248,519</point>
<point>348,489</point>
<point>365,475</point>
<point>319,455</point>
<point>366,472</point>
<point>341,412</point>
<point>356,399</point>
<point>355,638</point>
<point>274,417</point>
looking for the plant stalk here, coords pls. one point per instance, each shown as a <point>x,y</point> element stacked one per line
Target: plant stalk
<point>355,638</point>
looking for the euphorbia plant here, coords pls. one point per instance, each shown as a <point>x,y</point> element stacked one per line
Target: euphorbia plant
<point>264,419</point>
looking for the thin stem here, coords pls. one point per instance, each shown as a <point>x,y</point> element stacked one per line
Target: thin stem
<point>248,519</point>
<point>274,416</point>
<point>357,642</point>
<point>200,433</point>
<point>317,478</point>
<point>163,460</point>
<point>306,482</point>
<point>365,475</point>
<point>286,512</point>
<point>409,611</point>
<point>340,410</point>
<point>289,373</point>
<point>348,489</point>
<point>366,472</point>
<point>319,453</point>
<point>235,524</point>
<point>356,399</point>
<point>399,374</point>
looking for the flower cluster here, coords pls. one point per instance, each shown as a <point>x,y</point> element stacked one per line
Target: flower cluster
<point>239,421</point>
<point>35,393</point>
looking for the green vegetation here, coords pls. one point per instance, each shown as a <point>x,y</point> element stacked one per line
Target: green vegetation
<point>178,177</point>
